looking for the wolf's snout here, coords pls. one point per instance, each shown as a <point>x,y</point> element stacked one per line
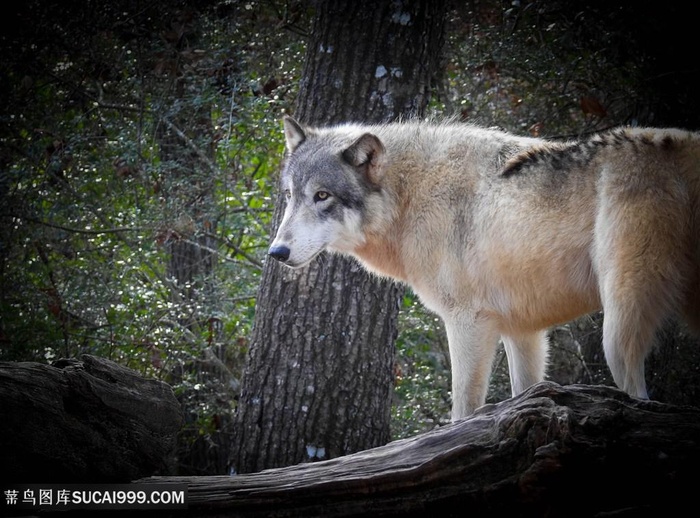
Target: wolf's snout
<point>281,253</point>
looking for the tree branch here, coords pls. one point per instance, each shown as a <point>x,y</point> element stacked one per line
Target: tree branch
<point>73,229</point>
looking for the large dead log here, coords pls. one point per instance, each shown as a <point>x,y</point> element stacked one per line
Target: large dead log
<point>87,420</point>
<point>553,451</point>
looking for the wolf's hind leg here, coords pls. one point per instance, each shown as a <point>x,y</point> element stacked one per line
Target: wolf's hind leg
<point>527,359</point>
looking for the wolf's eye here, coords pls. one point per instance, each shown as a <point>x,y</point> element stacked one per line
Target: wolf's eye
<point>321,196</point>
<point>287,194</point>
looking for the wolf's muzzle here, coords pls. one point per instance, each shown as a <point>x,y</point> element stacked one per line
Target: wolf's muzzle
<point>281,253</point>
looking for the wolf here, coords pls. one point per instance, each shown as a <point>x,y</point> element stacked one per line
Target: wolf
<point>505,236</point>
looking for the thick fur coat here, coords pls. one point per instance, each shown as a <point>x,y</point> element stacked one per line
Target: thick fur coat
<point>506,236</point>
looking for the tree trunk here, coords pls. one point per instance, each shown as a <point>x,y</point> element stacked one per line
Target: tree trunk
<point>553,451</point>
<point>319,378</point>
<point>188,190</point>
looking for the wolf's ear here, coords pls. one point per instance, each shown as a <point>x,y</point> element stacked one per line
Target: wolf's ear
<point>294,134</point>
<point>367,154</point>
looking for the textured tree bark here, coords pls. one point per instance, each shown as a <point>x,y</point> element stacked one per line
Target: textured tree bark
<point>319,378</point>
<point>576,451</point>
<point>87,420</point>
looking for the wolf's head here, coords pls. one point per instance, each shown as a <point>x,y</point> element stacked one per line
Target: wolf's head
<point>329,179</point>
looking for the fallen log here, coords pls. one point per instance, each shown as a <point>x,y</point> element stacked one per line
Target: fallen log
<point>553,451</point>
<point>87,420</point>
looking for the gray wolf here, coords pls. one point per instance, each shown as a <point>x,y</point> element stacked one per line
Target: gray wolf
<point>506,236</point>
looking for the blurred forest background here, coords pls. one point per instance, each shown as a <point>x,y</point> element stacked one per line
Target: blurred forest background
<point>140,143</point>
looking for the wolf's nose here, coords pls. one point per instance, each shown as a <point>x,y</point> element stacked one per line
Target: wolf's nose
<point>281,253</point>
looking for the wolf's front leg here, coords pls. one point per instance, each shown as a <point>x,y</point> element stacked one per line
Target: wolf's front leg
<point>527,359</point>
<point>472,340</point>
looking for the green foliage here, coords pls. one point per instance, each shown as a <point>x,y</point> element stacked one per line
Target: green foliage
<point>139,167</point>
<point>543,68</point>
<point>422,371</point>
